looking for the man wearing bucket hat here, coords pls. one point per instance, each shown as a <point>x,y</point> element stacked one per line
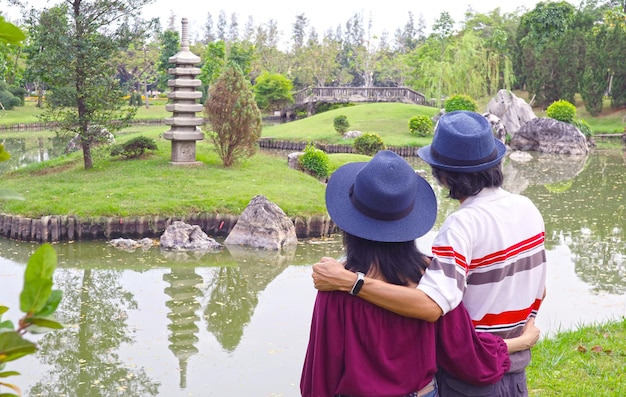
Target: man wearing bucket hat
<point>489,254</point>
<point>357,348</point>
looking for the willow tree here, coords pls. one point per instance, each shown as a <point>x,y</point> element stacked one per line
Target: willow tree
<point>76,43</point>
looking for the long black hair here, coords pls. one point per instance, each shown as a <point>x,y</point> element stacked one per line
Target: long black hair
<point>399,263</point>
<point>462,185</point>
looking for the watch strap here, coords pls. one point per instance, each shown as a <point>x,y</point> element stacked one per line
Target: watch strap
<point>360,280</point>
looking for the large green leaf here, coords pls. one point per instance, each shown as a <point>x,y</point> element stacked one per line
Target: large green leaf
<point>13,346</point>
<point>6,374</point>
<point>51,305</point>
<point>6,325</point>
<point>43,323</point>
<point>38,279</point>
<point>35,295</point>
<point>10,33</point>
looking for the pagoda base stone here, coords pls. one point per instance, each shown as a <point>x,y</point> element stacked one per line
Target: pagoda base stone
<point>184,153</point>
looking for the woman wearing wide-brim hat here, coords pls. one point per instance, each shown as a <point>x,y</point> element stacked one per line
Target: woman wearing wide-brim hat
<point>359,349</point>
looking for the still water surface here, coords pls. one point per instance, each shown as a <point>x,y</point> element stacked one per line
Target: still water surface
<point>235,323</point>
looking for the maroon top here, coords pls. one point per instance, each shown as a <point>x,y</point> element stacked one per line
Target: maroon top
<point>359,349</point>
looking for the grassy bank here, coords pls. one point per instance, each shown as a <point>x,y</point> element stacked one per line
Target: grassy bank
<point>588,361</point>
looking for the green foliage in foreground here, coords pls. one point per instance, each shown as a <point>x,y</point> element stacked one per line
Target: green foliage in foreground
<point>38,302</point>
<point>589,361</point>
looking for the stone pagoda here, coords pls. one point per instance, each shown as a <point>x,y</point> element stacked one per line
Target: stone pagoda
<point>184,125</point>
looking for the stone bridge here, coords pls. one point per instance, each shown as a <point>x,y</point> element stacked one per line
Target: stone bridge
<point>309,96</point>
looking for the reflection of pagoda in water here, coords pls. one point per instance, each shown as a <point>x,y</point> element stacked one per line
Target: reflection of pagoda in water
<point>183,306</point>
<point>235,291</point>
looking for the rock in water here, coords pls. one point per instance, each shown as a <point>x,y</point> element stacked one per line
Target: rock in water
<point>263,225</point>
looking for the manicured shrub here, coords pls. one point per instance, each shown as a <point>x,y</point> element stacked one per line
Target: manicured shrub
<point>561,110</point>
<point>460,102</point>
<point>420,125</point>
<point>369,144</point>
<point>8,100</point>
<point>134,148</point>
<point>19,93</point>
<point>315,161</point>
<point>341,124</point>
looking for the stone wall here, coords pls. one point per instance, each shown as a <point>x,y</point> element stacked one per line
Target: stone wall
<point>57,228</point>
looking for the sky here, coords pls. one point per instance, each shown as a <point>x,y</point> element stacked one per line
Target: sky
<point>326,14</point>
<point>386,15</point>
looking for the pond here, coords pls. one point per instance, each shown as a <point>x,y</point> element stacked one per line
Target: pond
<point>235,323</point>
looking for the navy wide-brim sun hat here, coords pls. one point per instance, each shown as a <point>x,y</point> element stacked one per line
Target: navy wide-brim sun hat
<point>463,142</point>
<point>381,200</point>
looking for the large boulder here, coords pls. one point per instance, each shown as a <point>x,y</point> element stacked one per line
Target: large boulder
<point>499,130</point>
<point>512,111</point>
<point>548,135</point>
<point>263,225</point>
<point>130,245</point>
<point>180,236</point>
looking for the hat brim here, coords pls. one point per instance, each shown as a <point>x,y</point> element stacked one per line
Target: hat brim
<point>341,210</point>
<point>425,154</point>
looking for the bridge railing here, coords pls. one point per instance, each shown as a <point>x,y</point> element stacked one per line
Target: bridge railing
<point>360,94</point>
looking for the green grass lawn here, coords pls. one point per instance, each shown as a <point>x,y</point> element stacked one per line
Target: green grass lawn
<point>588,361</point>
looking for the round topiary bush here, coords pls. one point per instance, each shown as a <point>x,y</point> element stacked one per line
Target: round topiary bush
<point>369,144</point>
<point>315,161</point>
<point>561,110</point>
<point>420,125</point>
<point>341,124</point>
<point>460,102</point>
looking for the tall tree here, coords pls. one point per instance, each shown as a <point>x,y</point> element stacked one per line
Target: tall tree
<point>222,26</point>
<point>615,46</point>
<point>170,45</point>
<point>267,55</point>
<point>234,137</point>
<point>406,38</point>
<point>209,33</point>
<point>233,28</point>
<point>299,32</point>
<point>443,28</point>
<point>541,35</point>
<point>84,37</point>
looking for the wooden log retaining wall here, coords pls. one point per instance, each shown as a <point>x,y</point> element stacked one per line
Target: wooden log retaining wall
<point>57,228</point>
<point>50,126</point>
<point>270,143</point>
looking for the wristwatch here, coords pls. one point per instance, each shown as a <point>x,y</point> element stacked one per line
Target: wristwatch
<point>360,279</point>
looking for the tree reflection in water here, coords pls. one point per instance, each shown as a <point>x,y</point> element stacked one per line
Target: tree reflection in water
<point>583,203</point>
<point>83,358</point>
<point>234,291</point>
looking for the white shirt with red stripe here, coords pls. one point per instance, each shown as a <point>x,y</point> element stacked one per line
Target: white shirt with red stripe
<point>490,254</point>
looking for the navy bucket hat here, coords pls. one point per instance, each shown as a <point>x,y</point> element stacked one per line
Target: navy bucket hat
<point>381,200</point>
<point>463,142</point>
